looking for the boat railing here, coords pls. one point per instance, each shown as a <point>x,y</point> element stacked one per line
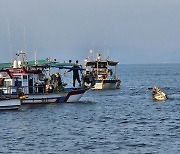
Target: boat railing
<point>9,92</point>
<point>33,89</point>
<point>17,91</point>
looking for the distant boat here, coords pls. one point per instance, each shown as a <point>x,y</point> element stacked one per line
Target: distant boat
<point>105,77</point>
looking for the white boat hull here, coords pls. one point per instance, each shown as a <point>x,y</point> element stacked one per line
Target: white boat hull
<point>10,104</point>
<point>42,98</point>
<point>105,84</point>
<point>69,96</point>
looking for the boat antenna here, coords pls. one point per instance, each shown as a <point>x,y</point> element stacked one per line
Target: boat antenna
<point>93,44</point>
<point>91,54</point>
<point>9,36</point>
<point>107,54</point>
<point>25,47</point>
<point>35,57</point>
<point>105,39</point>
<point>105,45</point>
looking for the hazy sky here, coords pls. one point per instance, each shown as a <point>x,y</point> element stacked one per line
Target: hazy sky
<point>134,31</point>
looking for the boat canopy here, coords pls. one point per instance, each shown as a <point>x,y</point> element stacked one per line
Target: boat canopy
<point>107,62</point>
<point>65,66</point>
<point>38,63</point>
<point>5,65</point>
<point>42,64</point>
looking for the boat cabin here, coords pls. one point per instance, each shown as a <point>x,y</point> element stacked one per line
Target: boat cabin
<point>19,77</point>
<point>30,76</point>
<point>102,69</point>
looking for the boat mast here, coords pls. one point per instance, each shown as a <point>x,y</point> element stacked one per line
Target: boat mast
<point>97,65</point>
<point>9,36</point>
<point>93,51</point>
<point>105,46</point>
<point>35,57</point>
<point>107,66</point>
<point>107,54</point>
<point>25,47</point>
<point>97,69</point>
<point>116,71</point>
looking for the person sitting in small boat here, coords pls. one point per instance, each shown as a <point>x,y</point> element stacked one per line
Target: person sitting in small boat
<point>158,94</point>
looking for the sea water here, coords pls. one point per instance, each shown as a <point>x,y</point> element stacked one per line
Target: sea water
<point>124,121</point>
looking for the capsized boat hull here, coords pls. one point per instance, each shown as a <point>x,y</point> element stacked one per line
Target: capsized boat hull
<point>10,104</point>
<point>158,94</point>
<point>160,97</point>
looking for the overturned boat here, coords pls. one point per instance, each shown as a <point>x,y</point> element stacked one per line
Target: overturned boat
<point>158,94</point>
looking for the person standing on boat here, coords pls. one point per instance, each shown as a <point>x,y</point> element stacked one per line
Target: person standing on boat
<point>75,70</point>
<point>99,57</point>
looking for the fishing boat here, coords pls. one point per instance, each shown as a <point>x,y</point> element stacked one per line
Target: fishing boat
<point>104,72</point>
<point>34,82</point>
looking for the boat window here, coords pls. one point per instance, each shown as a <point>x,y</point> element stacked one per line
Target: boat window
<point>18,77</point>
<point>24,78</point>
<point>7,83</point>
